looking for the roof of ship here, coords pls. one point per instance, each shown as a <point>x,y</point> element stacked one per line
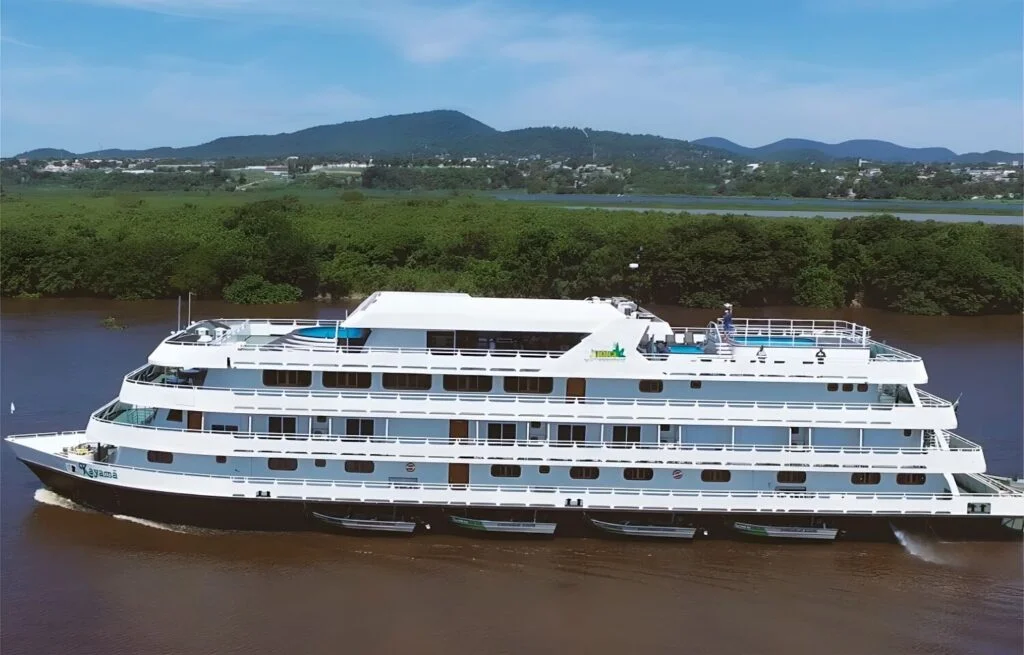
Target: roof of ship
<point>461,311</point>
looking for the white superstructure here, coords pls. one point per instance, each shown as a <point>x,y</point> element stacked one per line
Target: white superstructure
<point>424,403</point>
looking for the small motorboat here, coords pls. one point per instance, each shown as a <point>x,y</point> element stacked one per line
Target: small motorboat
<point>507,527</point>
<point>641,530</point>
<point>367,525</point>
<point>808,533</point>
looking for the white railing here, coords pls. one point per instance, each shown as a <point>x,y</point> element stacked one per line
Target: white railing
<point>499,399</point>
<point>400,350</point>
<point>963,445</point>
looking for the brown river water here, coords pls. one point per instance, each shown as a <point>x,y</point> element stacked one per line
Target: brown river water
<point>78,582</point>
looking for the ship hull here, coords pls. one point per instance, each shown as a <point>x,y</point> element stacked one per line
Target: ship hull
<point>269,514</point>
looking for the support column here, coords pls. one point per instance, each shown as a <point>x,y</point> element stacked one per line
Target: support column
<point>860,438</point>
<point>387,427</point>
<point>810,437</point>
<point>602,434</point>
<point>732,436</point>
<point>250,423</point>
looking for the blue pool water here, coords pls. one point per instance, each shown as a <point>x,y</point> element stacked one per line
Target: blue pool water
<point>327,332</point>
<point>681,349</point>
<point>783,342</point>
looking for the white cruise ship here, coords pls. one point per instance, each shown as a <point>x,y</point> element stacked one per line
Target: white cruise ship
<point>441,411</point>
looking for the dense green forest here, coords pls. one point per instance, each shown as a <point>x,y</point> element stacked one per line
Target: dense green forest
<point>283,248</point>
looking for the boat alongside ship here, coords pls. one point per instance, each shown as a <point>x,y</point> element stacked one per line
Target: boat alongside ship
<point>443,412</point>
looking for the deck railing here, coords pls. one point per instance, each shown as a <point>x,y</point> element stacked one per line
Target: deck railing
<point>498,399</point>
<point>956,442</point>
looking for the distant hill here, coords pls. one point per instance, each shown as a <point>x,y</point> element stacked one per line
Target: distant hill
<point>446,132</point>
<point>872,150</point>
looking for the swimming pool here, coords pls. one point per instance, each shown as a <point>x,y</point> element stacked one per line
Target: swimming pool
<point>684,349</point>
<point>327,332</point>
<point>778,342</point>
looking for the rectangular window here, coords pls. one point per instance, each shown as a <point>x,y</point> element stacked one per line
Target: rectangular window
<point>358,466</point>
<point>281,425</point>
<point>320,463</point>
<point>501,433</point>
<point>174,415</point>
<point>907,433</point>
<point>863,386</point>
<point>276,378</point>
<point>584,472</point>
<point>467,383</point>
<point>847,387</point>
<point>346,380</point>
<point>406,381</point>
<point>652,386</point>
<point>216,427</point>
<point>715,475</point>
<point>791,477</point>
<point>910,478</point>
<point>442,340</point>
<point>665,427</point>
<point>866,478</point>
<point>282,464</point>
<point>159,457</point>
<point>529,385</point>
<point>359,427</point>
<point>221,459</point>
<point>696,384</point>
<point>626,434</point>
<point>506,471</point>
<point>544,469</point>
<point>637,474</point>
<point>572,433</point>
<point>832,386</point>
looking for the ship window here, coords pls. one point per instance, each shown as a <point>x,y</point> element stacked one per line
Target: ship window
<point>832,386</point>
<point>440,340</point>
<point>866,478</point>
<point>358,466</point>
<point>320,419</point>
<point>584,472</point>
<point>282,464</point>
<point>715,475</point>
<point>529,385</point>
<point>320,463</point>
<point>278,378</point>
<point>638,474</point>
<point>479,383</point>
<point>665,427</point>
<point>501,432</point>
<point>359,427</point>
<point>626,434</point>
<point>406,381</point>
<point>221,459</point>
<point>791,477</point>
<point>572,433</point>
<point>847,387</point>
<point>544,468</point>
<point>216,427</point>
<point>535,425</point>
<point>696,384</point>
<point>281,425</point>
<point>907,433</point>
<point>506,471</point>
<point>652,386</point>
<point>794,431</point>
<point>863,386</point>
<point>910,478</point>
<point>174,415</point>
<point>346,380</point>
<point>159,457</point>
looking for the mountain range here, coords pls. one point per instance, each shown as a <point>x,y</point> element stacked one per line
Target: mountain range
<point>452,133</point>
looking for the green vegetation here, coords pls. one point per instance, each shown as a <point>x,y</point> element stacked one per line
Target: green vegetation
<point>281,248</point>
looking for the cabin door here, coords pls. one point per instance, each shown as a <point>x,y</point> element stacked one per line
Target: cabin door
<point>458,429</point>
<point>575,388</point>
<point>458,474</point>
<point>195,420</point>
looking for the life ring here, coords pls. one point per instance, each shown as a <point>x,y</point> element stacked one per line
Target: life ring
<point>410,467</point>
<point>677,474</point>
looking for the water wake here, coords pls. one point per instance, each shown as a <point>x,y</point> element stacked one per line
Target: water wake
<point>47,497</point>
<point>167,527</point>
<point>918,546</point>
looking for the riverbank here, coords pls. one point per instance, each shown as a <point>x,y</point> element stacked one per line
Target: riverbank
<point>283,249</point>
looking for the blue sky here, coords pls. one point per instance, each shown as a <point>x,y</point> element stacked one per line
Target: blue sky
<point>86,74</point>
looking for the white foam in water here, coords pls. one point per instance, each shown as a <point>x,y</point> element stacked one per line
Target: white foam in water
<point>180,529</point>
<point>919,547</point>
<point>47,497</point>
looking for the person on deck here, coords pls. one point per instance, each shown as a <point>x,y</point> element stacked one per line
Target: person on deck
<point>727,319</point>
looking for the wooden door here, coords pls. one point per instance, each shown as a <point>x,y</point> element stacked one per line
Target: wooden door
<point>458,429</point>
<point>458,474</point>
<point>575,388</point>
<point>195,420</point>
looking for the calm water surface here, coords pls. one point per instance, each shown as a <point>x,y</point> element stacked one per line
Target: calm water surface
<point>79,582</point>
